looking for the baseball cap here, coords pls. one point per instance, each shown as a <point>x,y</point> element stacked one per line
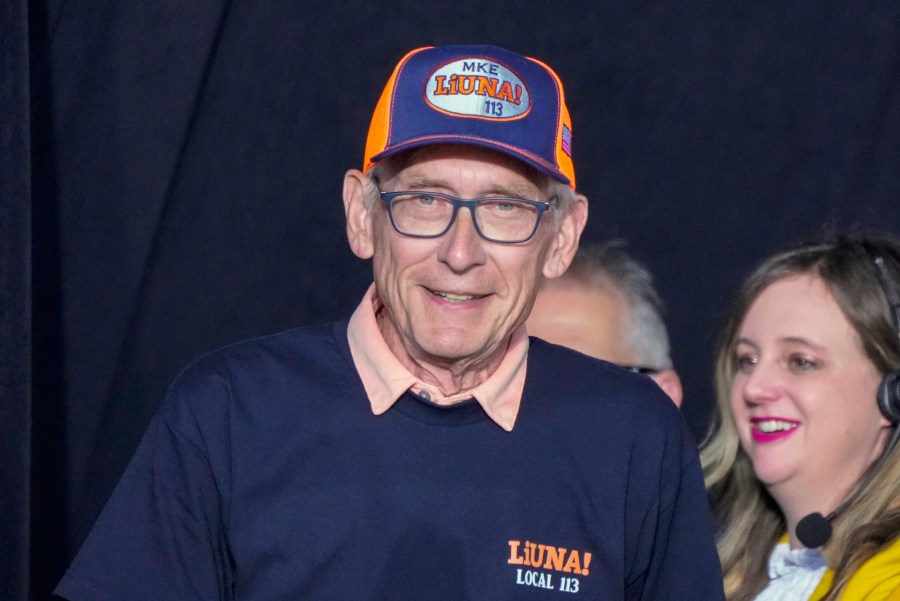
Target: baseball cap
<point>481,95</point>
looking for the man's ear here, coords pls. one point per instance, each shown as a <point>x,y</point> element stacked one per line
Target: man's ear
<point>565,242</point>
<point>669,381</point>
<point>357,209</point>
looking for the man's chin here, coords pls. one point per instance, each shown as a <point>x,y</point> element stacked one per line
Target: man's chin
<point>454,347</point>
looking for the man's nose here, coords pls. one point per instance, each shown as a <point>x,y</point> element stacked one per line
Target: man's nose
<point>462,247</point>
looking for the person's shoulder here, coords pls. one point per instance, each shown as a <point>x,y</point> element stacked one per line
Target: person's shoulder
<point>878,579</point>
<point>599,389</point>
<point>558,357</point>
<point>268,363</point>
<point>297,345</point>
<point>607,409</point>
<point>575,373</point>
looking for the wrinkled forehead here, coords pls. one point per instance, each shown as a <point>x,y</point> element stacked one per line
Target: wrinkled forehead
<point>425,161</point>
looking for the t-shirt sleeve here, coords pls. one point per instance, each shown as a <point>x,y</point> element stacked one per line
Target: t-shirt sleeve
<point>161,534</point>
<point>686,563</point>
<point>676,557</point>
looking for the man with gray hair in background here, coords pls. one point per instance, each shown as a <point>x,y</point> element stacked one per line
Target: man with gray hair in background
<point>606,306</point>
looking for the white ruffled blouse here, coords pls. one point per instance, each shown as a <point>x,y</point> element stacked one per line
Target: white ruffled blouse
<point>793,573</point>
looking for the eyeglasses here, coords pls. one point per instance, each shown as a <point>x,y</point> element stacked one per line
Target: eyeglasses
<point>430,215</point>
<point>640,369</point>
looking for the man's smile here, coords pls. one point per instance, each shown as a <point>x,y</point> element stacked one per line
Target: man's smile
<point>456,297</point>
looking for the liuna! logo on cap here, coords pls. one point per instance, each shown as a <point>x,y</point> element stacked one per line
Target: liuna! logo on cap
<point>479,88</point>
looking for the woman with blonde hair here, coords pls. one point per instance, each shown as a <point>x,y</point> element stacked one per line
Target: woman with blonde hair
<point>802,462</point>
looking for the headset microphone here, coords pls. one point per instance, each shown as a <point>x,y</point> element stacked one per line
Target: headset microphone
<point>814,530</point>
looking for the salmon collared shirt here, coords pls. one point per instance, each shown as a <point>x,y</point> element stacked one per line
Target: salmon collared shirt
<point>385,379</point>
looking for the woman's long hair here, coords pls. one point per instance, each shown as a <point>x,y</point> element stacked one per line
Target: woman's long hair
<point>750,520</point>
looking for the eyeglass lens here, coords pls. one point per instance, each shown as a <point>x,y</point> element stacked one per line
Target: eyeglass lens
<point>503,219</point>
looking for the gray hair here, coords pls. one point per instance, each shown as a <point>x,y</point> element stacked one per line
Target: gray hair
<point>609,267</point>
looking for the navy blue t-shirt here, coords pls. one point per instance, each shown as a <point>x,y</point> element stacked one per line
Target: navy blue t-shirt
<point>266,476</point>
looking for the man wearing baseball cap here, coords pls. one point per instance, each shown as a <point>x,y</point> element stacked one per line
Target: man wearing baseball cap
<point>426,448</point>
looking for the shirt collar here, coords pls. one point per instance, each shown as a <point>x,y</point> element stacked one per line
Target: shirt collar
<point>385,379</point>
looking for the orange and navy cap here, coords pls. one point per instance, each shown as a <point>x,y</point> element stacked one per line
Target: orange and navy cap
<point>481,95</point>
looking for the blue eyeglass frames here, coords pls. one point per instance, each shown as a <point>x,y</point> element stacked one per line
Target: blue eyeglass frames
<point>424,214</point>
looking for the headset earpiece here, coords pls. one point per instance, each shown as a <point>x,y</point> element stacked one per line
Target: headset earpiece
<point>889,390</point>
<point>889,397</point>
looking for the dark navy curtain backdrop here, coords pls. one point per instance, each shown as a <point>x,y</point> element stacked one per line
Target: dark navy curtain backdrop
<point>171,182</point>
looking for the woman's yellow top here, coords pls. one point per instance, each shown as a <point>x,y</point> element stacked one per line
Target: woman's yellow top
<point>876,580</point>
